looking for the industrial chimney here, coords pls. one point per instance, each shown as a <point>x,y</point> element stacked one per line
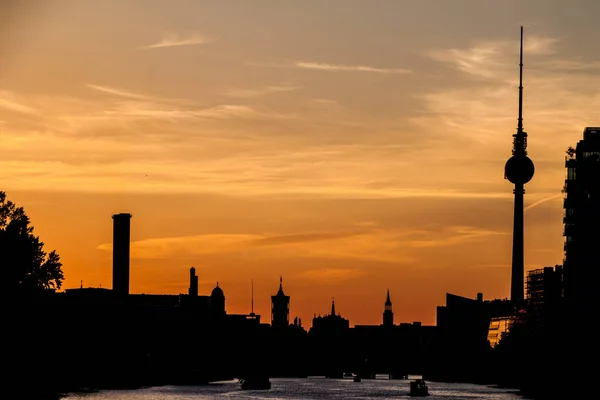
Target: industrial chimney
<point>121,233</point>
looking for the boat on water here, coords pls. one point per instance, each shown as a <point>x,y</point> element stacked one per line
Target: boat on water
<point>255,383</point>
<point>357,378</point>
<point>419,388</point>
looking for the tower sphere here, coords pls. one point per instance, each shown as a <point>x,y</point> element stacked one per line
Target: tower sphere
<point>519,169</point>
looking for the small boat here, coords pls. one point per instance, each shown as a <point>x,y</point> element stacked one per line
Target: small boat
<point>347,374</point>
<point>255,383</point>
<point>357,378</point>
<point>419,388</point>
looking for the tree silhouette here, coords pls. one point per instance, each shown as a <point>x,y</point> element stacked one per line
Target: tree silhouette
<point>25,266</point>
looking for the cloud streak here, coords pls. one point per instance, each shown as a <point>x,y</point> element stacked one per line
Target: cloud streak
<point>175,40</point>
<point>487,59</point>
<point>333,67</point>
<point>351,68</point>
<point>542,201</point>
<point>121,92</point>
<point>10,104</point>
<point>248,93</point>
<point>375,245</point>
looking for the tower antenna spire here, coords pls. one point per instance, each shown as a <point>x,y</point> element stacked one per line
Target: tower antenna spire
<point>519,170</point>
<point>520,125</point>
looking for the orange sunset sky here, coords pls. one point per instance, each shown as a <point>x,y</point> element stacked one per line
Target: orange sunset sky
<point>348,146</point>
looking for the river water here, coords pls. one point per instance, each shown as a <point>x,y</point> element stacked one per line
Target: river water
<point>310,388</point>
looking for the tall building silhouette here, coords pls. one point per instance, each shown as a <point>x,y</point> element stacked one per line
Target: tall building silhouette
<point>280,308</point>
<point>121,243</point>
<point>582,220</point>
<point>388,315</point>
<point>193,290</point>
<point>519,170</point>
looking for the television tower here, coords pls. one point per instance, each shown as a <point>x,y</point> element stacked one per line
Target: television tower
<point>519,170</point>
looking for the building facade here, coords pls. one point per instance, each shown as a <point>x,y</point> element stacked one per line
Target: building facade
<point>544,294</point>
<point>582,220</point>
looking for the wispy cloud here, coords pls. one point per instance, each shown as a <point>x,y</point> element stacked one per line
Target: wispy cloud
<point>173,40</point>
<point>478,60</point>
<point>488,58</point>
<point>560,95</point>
<point>539,45</point>
<point>227,111</point>
<point>355,68</point>
<point>451,236</point>
<point>380,246</point>
<point>121,92</point>
<point>7,102</point>
<point>542,201</point>
<point>363,244</point>
<point>333,67</point>
<point>247,93</point>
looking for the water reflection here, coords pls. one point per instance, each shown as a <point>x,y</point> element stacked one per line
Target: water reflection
<point>311,388</point>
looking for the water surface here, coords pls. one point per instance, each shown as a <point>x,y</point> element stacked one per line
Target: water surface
<point>311,388</point>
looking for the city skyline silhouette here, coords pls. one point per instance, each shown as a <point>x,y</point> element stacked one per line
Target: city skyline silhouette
<point>299,199</point>
<point>349,158</point>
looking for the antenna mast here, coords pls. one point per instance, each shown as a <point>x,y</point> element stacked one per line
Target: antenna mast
<point>520,125</point>
<point>520,138</point>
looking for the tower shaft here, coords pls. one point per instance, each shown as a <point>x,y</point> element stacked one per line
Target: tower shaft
<point>518,253</point>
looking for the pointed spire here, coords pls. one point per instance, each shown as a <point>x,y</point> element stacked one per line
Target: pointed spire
<point>333,306</point>
<point>280,291</point>
<point>388,302</point>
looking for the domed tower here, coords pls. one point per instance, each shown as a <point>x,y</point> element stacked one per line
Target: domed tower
<point>388,315</point>
<point>217,302</point>
<point>519,170</point>
<point>280,308</point>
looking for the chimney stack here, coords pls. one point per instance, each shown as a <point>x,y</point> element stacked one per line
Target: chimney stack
<point>121,244</point>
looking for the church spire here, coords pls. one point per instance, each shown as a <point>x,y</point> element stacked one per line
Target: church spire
<point>388,315</point>
<point>333,306</point>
